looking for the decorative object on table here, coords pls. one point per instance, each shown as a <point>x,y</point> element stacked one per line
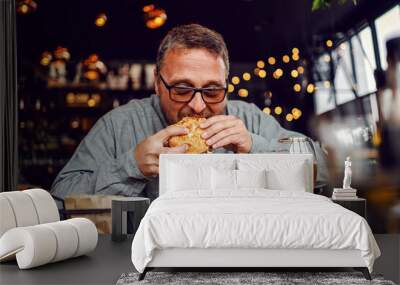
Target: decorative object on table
<point>347,192</point>
<point>248,278</point>
<point>347,174</point>
<point>356,205</point>
<point>121,206</point>
<point>31,231</point>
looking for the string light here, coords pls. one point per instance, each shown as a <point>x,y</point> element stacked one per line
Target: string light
<point>295,50</point>
<point>277,73</point>
<point>256,71</point>
<point>327,84</point>
<point>235,80</point>
<point>289,117</point>
<point>297,87</point>
<point>231,88</point>
<point>278,110</point>
<point>260,64</point>
<point>267,110</point>
<point>329,43</point>
<point>271,60</point>
<point>243,92</point>
<point>327,58</point>
<point>294,73</point>
<point>300,69</point>
<point>285,58</point>
<point>296,113</point>
<point>310,88</point>
<point>101,20</point>
<point>246,76</point>
<point>262,73</point>
<point>295,57</point>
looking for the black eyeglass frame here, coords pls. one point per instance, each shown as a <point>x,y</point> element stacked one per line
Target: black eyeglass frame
<point>194,90</point>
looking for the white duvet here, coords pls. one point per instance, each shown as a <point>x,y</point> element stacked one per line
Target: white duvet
<point>251,218</point>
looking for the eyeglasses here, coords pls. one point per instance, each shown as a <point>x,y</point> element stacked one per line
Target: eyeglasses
<point>185,94</point>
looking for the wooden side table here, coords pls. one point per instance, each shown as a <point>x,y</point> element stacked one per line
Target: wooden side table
<point>119,210</point>
<point>358,205</point>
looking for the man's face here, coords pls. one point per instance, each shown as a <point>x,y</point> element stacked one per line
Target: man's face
<point>195,68</point>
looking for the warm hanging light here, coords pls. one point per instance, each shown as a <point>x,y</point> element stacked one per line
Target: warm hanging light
<point>260,64</point>
<point>278,110</point>
<point>310,88</point>
<point>235,80</point>
<point>294,73</point>
<point>256,71</point>
<point>285,58</point>
<point>329,43</point>
<point>289,117</point>
<point>243,92</point>
<point>297,87</point>
<point>26,6</point>
<point>296,113</point>
<point>231,88</point>
<point>295,50</point>
<point>246,76</point>
<point>154,16</point>
<point>262,73</point>
<point>271,60</point>
<point>295,57</point>
<point>267,110</point>
<point>101,20</point>
<point>300,69</point>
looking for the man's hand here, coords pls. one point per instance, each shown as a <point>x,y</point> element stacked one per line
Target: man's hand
<point>228,132</point>
<point>147,152</point>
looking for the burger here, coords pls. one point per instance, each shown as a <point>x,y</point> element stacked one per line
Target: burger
<point>196,144</point>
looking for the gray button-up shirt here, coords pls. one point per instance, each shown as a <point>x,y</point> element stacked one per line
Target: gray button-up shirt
<point>104,162</point>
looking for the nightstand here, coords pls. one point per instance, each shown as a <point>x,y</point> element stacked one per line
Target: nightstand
<point>119,210</point>
<point>358,205</point>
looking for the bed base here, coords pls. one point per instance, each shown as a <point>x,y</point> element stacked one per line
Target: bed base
<point>363,270</point>
<point>244,259</point>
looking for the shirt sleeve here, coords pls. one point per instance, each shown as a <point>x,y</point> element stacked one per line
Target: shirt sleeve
<point>266,133</point>
<point>96,169</point>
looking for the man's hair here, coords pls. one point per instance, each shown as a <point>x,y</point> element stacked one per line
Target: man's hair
<point>193,36</point>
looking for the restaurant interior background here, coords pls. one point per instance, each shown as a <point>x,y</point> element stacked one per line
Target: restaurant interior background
<point>316,68</point>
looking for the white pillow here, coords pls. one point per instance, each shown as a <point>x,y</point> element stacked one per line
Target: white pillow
<point>251,178</point>
<point>223,179</point>
<point>282,174</point>
<point>182,177</point>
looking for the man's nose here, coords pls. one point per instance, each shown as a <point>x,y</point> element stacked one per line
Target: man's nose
<point>197,104</point>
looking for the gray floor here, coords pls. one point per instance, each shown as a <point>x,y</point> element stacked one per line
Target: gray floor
<point>110,260</point>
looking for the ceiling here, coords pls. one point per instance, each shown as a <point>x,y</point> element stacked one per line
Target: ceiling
<point>251,28</point>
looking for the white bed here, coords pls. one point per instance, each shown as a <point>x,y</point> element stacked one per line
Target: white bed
<point>207,225</point>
